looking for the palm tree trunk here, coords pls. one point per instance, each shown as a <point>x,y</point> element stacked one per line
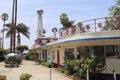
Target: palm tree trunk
<point>11,37</point>
<point>13,29</point>
<point>18,40</point>
<point>54,34</point>
<point>15,26</point>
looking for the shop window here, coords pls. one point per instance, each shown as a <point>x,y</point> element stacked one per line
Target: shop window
<point>98,50</point>
<point>112,50</point>
<point>69,53</point>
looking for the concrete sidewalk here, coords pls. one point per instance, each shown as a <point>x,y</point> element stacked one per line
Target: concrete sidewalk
<point>39,72</point>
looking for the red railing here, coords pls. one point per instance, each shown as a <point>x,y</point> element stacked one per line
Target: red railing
<point>112,22</point>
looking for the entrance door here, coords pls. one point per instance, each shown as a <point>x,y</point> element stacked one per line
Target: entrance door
<point>58,58</point>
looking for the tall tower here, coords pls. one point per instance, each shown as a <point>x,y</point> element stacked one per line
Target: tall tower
<point>40,24</point>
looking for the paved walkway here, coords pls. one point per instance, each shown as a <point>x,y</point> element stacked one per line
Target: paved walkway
<point>39,72</point>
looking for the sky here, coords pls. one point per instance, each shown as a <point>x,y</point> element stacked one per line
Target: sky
<point>78,10</point>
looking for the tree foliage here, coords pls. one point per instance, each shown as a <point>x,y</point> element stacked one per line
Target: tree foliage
<point>22,48</point>
<point>2,53</point>
<point>113,22</point>
<point>4,17</point>
<point>115,10</point>
<point>64,20</point>
<point>78,67</point>
<point>20,29</point>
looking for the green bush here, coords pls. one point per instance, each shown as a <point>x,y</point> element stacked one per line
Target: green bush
<point>79,67</point>
<point>32,56</point>
<point>60,69</point>
<point>47,64</point>
<point>25,76</point>
<point>12,60</point>
<point>2,53</point>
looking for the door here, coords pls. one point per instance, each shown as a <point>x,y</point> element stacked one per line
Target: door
<point>58,58</point>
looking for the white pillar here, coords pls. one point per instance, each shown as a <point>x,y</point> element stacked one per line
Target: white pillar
<point>40,24</point>
<point>75,52</point>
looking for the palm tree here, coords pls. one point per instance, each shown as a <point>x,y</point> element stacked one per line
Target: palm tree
<point>80,25</point>
<point>88,27</point>
<point>60,31</point>
<point>115,14</point>
<point>100,26</point>
<point>4,17</point>
<point>65,21</point>
<point>54,30</point>
<point>20,29</point>
<point>22,48</point>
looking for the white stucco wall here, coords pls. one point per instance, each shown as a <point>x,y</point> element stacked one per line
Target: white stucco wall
<point>52,53</point>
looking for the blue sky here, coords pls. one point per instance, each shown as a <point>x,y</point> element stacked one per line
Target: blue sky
<point>78,10</point>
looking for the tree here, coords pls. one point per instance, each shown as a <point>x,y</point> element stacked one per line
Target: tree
<point>115,10</point>
<point>54,30</point>
<point>80,25</point>
<point>65,21</point>
<point>2,53</point>
<point>60,30</point>
<point>20,29</point>
<point>22,48</point>
<point>114,22</point>
<point>4,17</point>
<point>88,27</point>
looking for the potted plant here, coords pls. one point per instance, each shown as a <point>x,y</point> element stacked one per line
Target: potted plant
<point>25,76</point>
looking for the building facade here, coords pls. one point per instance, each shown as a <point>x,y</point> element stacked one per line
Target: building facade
<point>97,39</point>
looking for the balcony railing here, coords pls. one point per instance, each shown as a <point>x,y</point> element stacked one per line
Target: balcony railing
<point>93,25</point>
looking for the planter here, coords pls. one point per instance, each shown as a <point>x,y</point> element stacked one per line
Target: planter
<point>2,77</point>
<point>11,65</point>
